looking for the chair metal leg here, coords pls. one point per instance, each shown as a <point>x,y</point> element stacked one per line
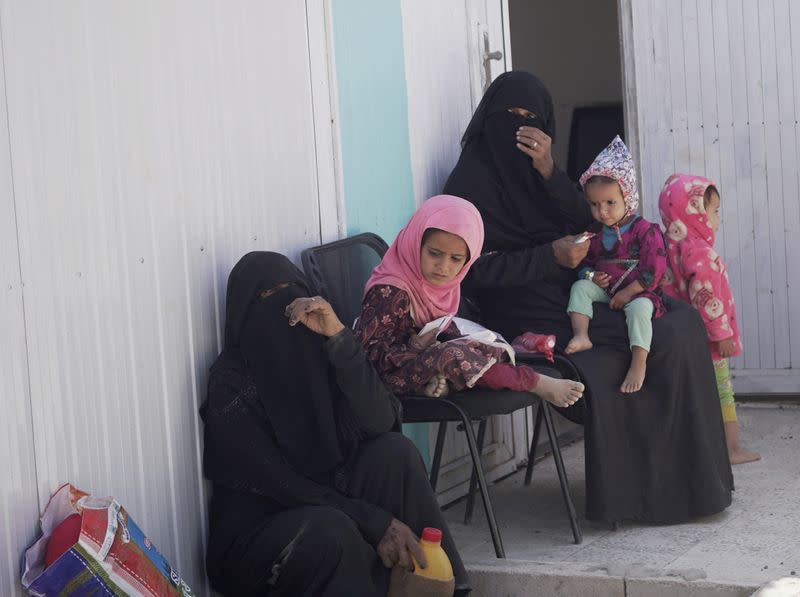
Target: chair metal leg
<point>487,503</point>
<point>562,473</point>
<point>473,478</point>
<point>537,427</point>
<point>437,454</point>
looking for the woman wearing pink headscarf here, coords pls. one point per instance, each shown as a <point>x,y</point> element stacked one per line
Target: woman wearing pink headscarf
<point>418,281</point>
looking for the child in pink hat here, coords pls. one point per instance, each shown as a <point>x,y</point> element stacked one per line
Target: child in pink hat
<point>696,274</point>
<point>419,281</point>
<point>625,263</point>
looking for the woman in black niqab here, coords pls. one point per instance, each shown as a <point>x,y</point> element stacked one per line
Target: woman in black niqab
<point>658,455</point>
<point>310,480</point>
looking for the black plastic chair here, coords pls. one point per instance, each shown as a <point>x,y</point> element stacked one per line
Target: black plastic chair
<point>338,271</point>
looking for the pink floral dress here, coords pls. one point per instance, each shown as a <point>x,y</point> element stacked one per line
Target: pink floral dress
<point>640,256</point>
<point>385,328</point>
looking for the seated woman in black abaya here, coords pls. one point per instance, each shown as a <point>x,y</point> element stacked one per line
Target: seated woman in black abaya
<point>314,491</point>
<point>657,455</point>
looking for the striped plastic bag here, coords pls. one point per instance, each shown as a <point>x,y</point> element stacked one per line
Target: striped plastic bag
<point>111,556</point>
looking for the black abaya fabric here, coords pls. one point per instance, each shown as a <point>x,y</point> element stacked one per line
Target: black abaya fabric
<point>658,455</point>
<point>287,417</point>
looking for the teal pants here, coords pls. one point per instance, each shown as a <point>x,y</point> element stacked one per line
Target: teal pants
<point>638,313</point>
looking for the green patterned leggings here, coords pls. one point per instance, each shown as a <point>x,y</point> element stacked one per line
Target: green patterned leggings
<point>725,389</point>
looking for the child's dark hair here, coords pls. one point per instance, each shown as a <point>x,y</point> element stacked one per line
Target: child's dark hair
<point>707,194</point>
<point>427,234</point>
<point>599,178</point>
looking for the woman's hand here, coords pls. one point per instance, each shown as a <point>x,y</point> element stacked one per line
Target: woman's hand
<point>726,347</point>
<point>567,253</point>
<point>536,144</point>
<point>397,546</point>
<point>602,279</point>
<point>316,314</point>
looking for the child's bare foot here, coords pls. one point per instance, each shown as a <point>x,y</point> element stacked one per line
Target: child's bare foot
<point>436,387</point>
<point>737,454</point>
<point>740,456</point>
<point>578,343</point>
<point>635,377</point>
<point>559,392</point>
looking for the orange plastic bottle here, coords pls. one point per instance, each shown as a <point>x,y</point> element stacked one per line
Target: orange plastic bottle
<point>439,566</point>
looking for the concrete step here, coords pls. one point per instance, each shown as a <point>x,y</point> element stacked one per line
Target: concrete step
<point>507,578</point>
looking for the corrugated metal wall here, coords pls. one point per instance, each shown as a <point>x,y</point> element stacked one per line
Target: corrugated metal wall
<point>18,502</point>
<point>717,88</point>
<point>152,144</point>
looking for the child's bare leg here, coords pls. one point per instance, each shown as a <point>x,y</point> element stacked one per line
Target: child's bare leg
<point>737,454</point>
<point>559,392</point>
<point>635,378</point>
<point>580,333</point>
<point>436,387</point>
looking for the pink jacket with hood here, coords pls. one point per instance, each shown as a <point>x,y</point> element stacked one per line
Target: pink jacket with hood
<point>696,274</point>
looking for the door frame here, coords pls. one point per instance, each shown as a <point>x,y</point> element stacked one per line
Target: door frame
<point>630,105</point>
<point>322,65</point>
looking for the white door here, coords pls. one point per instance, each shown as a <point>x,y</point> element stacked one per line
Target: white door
<point>151,145</point>
<point>710,90</point>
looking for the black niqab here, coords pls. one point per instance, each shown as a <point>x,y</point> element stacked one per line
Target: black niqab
<point>500,179</point>
<point>297,422</point>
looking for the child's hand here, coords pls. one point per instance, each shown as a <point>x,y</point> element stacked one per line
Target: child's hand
<point>726,347</point>
<point>424,341</point>
<point>626,295</point>
<point>619,300</point>
<point>602,279</point>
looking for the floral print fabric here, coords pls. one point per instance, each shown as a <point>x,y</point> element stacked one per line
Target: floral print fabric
<point>384,330</point>
<point>616,162</point>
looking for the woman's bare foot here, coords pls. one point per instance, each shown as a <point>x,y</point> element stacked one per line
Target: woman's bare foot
<point>436,387</point>
<point>558,392</point>
<point>578,343</point>
<point>635,377</point>
<point>740,456</point>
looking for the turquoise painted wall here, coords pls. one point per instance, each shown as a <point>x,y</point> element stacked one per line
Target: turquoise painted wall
<point>373,115</point>
<point>373,125</point>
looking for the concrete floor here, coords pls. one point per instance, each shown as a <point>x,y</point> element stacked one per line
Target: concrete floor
<point>756,540</point>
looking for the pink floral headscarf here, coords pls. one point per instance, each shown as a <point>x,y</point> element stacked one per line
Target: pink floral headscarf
<point>400,266</point>
<point>616,162</point>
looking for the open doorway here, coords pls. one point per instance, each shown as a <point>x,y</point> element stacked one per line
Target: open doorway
<point>573,46</point>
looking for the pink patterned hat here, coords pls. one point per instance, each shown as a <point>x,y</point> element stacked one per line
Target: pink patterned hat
<point>616,162</point>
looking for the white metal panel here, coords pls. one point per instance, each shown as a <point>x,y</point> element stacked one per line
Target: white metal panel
<point>723,74</point>
<point>18,502</point>
<point>438,85</point>
<point>153,144</point>
<point>791,206</point>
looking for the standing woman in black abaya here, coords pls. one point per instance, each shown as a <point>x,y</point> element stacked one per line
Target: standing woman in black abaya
<point>654,456</point>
